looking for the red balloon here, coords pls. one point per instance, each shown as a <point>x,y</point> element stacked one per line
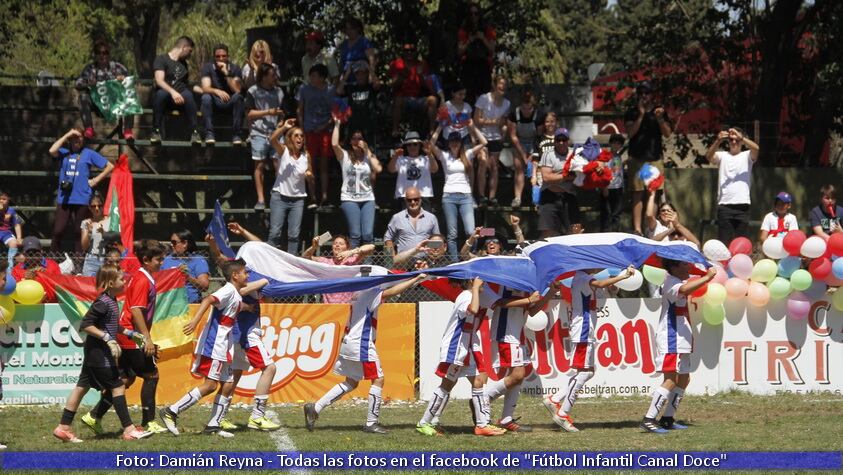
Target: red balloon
<point>740,245</point>
<point>820,268</point>
<point>793,242</point>
<point>835,244</point>
<point>700,292</point>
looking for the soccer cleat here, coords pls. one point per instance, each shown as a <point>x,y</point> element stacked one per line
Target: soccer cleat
<point>650,425</point>
<point>426,429</point>
<point>262,423</point>
<point>211,430</point>
<point>89,133</point>
<point>92,423</point>
<point>226,424</point>
<point>513,426</point>
<point>169,419</point>
<point>565,422</point>
<point>489,431</point>
<point>66,436</point>
<point>155,137</point>
<point>137,433</point>
<point>196,139</point>
<point>375,429</point>
<point>552,407</point>
<point>670,424</point>
<point>310,415</point>
<point>156,428</point>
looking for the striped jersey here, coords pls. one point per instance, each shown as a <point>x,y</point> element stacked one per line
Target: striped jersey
<point>358,344</point>
<point>583,308</point>
<point>674,333</point>
<point>247,322</point>
<point>459,332</point>
<point>216,340</point>
<point>507,325</point>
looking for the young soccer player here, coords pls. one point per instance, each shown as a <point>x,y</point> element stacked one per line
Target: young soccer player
<point>778,222</point>
<point>137,359</point>
<point>584,294</point>
<point>675,343</point>
<point>101,352</point>
<point>212,356</point>
<point>10,222</point>
<point>358,357</point>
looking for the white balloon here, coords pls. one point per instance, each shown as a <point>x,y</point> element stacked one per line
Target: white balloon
<point>773,248</point>
<point>632,283</point>
<point>715,250</point>
<point>536,322</point>
<point>813,247</point>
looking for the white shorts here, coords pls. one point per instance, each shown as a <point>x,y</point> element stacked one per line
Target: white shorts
<point>510,355</point>
<point>454,372</point>
<point>254,356</point>
<point>212,369</point>
<point>679,363</point>
<point>358,370</point>
<point>583,357</point>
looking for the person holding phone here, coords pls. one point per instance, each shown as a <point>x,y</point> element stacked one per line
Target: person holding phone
<point>427,254</point>
<point>490,243</point>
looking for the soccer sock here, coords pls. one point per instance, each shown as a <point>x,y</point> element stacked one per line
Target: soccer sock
<point>673,401</point>
<point>186,401</point>
<point>435,406</point>
<point>480,408</point>
<point>494,389</point>
<point>558,396</point>
<point>147,397</point>
<point>122,410</point>
<point>332,396</point>
<point>103,405</point>
<point>260,406</point>
<point>12,253</point>
<point>510,399</point>
<point>574,386</point>
<point>660,396</point>
<point>375,401</point>
<point>67,417</point>
<point>220,405</point>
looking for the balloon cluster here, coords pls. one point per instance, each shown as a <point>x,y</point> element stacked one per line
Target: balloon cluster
<point>26,292</point>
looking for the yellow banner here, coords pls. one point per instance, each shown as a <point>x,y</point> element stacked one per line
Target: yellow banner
<point>304,341</point>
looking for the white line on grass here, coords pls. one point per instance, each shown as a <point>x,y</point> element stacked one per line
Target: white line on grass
<point>282,439</point>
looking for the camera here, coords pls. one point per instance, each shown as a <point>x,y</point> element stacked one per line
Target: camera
<point>66,185</point>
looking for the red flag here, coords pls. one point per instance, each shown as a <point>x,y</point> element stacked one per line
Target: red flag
<point>121,182</point>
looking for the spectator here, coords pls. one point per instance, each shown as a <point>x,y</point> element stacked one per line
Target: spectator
<point>546,142</point>
<point>611,197</point>
<point>410,226</point>
<point>414,169</point>
<point>172,90</point>
<point>733,177</point>
<point>825,218</point>
<point>221,90</point>
<point>778,222</point>
<point>523,127</point>
<point>293,168</point>
<point>11,231</point>
<point>192,264</point>
<point>476,48</point>
<point>426,254</point>
<point>258,54</point>
<point>410,91</point>
<point>343,254</point>
<point>361,96</point>
<point>35,264</point>
<point>490,114</point>
<point>456,115</point>
<point>490,245</point>
<point>314,115</point>
<point>664,225</point>
<point>92,241</point>
<point>102,69</point>
<point>646,125</point>
<point>314,53</point>
<point>558,206</point>
<point>360,168</point>
<point>263,103</point>
<point>457,199</point>
<point>75,188</point>
<point>357,47</point>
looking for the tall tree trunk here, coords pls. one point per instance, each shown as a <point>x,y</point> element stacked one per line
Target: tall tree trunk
<point>144,24</point>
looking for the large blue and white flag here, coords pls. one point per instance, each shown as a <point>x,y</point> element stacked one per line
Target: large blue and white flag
<point>218,229</point>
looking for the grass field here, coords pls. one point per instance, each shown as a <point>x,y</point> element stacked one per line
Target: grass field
<point>732,422</point>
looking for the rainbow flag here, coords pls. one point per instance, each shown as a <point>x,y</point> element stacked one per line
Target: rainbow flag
<point>75,295</point>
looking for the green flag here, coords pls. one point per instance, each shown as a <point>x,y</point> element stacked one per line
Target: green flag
<point>116,99</point>
<point>114,212</point>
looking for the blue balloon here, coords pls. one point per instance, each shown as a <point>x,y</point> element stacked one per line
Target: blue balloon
<point>603,274</point>
<point>614,271</point>
<point>837,268</point>
<point>789,265</point>
<point>10,285</point>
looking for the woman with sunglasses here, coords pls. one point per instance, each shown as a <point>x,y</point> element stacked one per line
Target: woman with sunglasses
<point>293,174</point>
<point>101,69</point>
<point>192,264</point>
<point>663,223</point>
<point>92,236</point>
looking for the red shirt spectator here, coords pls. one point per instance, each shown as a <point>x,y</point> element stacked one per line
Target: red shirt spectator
<point>413,72</point>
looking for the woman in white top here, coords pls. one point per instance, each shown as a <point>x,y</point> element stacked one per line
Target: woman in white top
<point>91,236</point>
<point>359,171</point>
<point>457,200</point>
<point>414,169</point>
<point>458,114</point>
<point>490,113</point>
<point>665,226</point>
<point>293,170</point>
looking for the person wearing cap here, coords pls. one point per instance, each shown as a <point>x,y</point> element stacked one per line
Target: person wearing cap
<point>92,236</point>
<point>314,53</point>
<point>356,47</point>
<point>647,125</point>
<point>414,168</point>
<point>734,173</point>
<point>826,217</point>
<point>362,99</point>
<point>410,92</point>
<point>34,265</point>
<point>316,101</point>
<point>559,210</point>
<point>779,221</point>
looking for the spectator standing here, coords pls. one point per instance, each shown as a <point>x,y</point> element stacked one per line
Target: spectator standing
<point>11,231</point>
<point>101,69</point>
<point>342,254</point>
<point>546,142</point>
<point>559,210</point>
<point>263,103</point>
<point>258,54</point>
<point>75,186</point>
<point>646,125</point>
<point>192,264</point>
<point>414,169</point>
<point>293,169</point>
<point>611,197</point>
<point>172,90</point>
<point>92,230</point>
<point>314,115</point>
<point>356,47</point>
<point>410,226</point>
<point>314,53</point>
<point>523,127</point>
<point>34,264</point>
<point>778,222</point>
<point>410,91</point>
<point>360,168</point>
<point>361,96</point>
<point>457,199</point>
<point>476,48</point>
<point>456,115</point>
<point>221,87</point>
<point>734,174</point>
<point>825,218</point>
<point>490,113</point>
<point>664,225</point>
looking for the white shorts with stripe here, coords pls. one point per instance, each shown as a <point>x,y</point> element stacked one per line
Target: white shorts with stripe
<point>510,355</point>
<point>583,357</point>
<point>679,363</point>
<point>454,372</point>
<point>210,368</point>
<point>358,370</point>
<point>254,356</point>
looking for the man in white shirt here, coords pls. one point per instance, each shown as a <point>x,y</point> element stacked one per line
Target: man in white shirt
<point>733,178</point>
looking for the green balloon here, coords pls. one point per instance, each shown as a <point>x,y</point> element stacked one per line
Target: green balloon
<point>801,279</point>
<point>713,314</point>
<point>779,288</point>
<point>836,300</point>
<point>654,275</point>
<point>765,270</point>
